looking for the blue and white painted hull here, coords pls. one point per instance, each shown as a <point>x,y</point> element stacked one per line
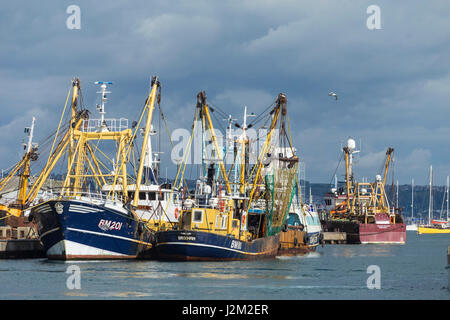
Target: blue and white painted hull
<point>77,229</point>
<point>313,240</point>
<point>198,245</point>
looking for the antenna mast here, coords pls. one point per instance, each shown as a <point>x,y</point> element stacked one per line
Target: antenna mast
<point>101,107</point>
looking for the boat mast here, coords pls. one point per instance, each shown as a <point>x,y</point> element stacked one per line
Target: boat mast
<point>155,84</point>
<point>430,205</point>
<point>201,97</point>
<point>396,197</point>
<point>73,114</point>
<point>310,196</point>
<point>23,184</point>
<point>244,142</point>
<point>448,182</point>
<point>412,200</point>
<point>275,113</point>
<point>349,150</point>
<point>229,149</point>
<point>101,107</point>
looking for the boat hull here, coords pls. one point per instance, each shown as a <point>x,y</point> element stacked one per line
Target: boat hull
<point>204,246</point>
<point>74,230</point>
<point>361,233</point>
<point>430,230</point>
<point>382,233</point>
<point>411,227</point>
<point>294,241</point>
<point>350,228</point>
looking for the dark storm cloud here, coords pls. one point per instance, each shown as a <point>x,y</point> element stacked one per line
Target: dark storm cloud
<point>393,83</point>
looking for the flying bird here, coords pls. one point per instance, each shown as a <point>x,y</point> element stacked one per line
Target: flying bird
<point>332,94</point>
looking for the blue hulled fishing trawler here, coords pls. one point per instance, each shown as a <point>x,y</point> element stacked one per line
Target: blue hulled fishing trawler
<point>234,220</point>
<point>84,220</point>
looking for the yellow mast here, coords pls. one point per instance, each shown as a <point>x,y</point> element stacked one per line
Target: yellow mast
<point>8,178</point>
<point>24,166</point>
<point>78,156</point>
<point>243,146</point>
<point>73,113</point>
<point>150,105</point>
<point>202,97</point>
<point>263,152</point>
<point>53,159</point>
<point>386,166</point>
<point>23,184</point>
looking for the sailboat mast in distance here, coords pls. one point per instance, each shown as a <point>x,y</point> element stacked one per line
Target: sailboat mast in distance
<point>430,206</point>
<point>448,182</point>
<point>396,198</point>
<point>412,200</point>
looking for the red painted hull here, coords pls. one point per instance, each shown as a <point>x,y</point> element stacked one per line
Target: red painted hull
<point>382,233</point>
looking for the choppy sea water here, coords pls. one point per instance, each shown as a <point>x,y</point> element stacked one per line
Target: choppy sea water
<point>416,270</point>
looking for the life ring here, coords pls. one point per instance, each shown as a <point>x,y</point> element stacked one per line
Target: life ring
<point>176,213</point>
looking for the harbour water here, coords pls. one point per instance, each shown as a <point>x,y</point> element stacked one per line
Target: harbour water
<point>416,270</point>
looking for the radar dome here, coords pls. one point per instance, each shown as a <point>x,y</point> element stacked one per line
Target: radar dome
<point>351,144</point>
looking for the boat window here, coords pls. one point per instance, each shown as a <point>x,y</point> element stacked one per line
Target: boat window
<point>152,196</point>
<point>142,196</point>
<point>221,222</point>
<point>198,216</point>
<point>293,219</point>
<point>313,221</point>
<point>131,195</point>
<point>234,224</point>
<point>218,222</point>
<point>224,222</point>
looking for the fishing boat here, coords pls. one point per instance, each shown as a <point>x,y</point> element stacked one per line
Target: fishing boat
<point>366,215</point>
<point>435,226</point>
<point>79,223</point>
<point>304,230</point>
<point>219,224</point>
<point>14,223</point>
<point>158,204</point>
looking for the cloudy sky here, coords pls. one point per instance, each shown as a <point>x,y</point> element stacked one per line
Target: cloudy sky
<point>393,83</point>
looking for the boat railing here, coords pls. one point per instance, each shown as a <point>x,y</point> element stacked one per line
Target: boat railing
<point>96,125</point>
<point>99,198</point>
